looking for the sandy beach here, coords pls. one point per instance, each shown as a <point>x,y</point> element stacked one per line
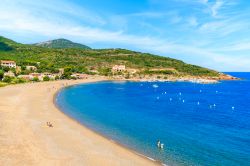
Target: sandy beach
<point>25,139</point>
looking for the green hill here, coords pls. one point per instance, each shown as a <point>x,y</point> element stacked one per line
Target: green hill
<point>98,61</point>
<point>61,43</point>
<point>7,44</point>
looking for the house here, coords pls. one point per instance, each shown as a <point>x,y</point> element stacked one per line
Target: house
<point>50,75</point>
<point>36,75</point>
<point>9,74</point>
<point>118,68</point>
<point>40,76</point>
<point>32,68</point>
<point>25,77</point>
<point>79,76</point>
<point>10,64</point>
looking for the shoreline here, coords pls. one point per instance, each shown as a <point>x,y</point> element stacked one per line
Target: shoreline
<point>26,140</point>
<point>109,139</point>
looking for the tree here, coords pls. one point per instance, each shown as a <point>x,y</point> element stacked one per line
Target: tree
<point>67,73</point>
<point>6,69</point>
<point>1,74</point>
<point>46,78</point>
<point>7,79</point>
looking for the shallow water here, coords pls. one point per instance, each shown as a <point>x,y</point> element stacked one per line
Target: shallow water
<point>199,124</point>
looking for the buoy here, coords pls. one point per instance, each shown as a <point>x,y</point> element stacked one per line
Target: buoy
<point>198,103</point>
<point>183,101</point>
<point>155,86</point>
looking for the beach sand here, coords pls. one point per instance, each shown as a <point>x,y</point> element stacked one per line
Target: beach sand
<point>25,139</point>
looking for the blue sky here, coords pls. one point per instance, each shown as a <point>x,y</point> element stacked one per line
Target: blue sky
<point>210,33</point>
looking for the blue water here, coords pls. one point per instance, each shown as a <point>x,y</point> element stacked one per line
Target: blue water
<point>136,114</point>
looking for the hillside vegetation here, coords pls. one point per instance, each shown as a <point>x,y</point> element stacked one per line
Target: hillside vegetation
<point>100,60</point>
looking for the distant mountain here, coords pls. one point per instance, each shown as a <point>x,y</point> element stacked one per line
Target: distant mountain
<point>61,43</point>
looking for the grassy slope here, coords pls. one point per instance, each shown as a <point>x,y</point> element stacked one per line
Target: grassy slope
<point>100,58</point>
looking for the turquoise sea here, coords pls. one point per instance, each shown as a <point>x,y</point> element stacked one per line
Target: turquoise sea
<point>199,124</point>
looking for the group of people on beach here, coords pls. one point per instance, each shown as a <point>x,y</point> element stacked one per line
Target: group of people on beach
<point>49,124</point>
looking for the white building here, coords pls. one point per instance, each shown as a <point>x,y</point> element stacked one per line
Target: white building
<point>32,68</point>
<point>9,74</point>
<point>10,64</point>
<point>118,68</point>
<point>79,76</point>
<point>36,75</point>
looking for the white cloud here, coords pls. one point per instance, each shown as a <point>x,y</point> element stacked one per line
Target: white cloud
<point>50,9</point>
<point>24,21</point>
<point>237,46</point>
<point>16,18</point>
<point>216,7</point>
<point>206,57</point>
<point>224,27</point>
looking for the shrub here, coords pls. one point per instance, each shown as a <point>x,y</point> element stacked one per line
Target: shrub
<point>1,74</point>
<point>46,78</point>
<point>18,80</point>
<point>7,79</point>
<point>35,79</point>
<point>57,78</point>
<point>73,78</point>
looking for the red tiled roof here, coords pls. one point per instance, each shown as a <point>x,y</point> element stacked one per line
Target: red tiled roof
<point>6,61</point>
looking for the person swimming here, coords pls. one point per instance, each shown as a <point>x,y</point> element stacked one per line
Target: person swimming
<point>158,143</point>
<point>162,146</point>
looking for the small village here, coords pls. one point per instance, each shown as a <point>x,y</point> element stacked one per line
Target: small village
<point>14,72</point>
<point>20,74</point>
